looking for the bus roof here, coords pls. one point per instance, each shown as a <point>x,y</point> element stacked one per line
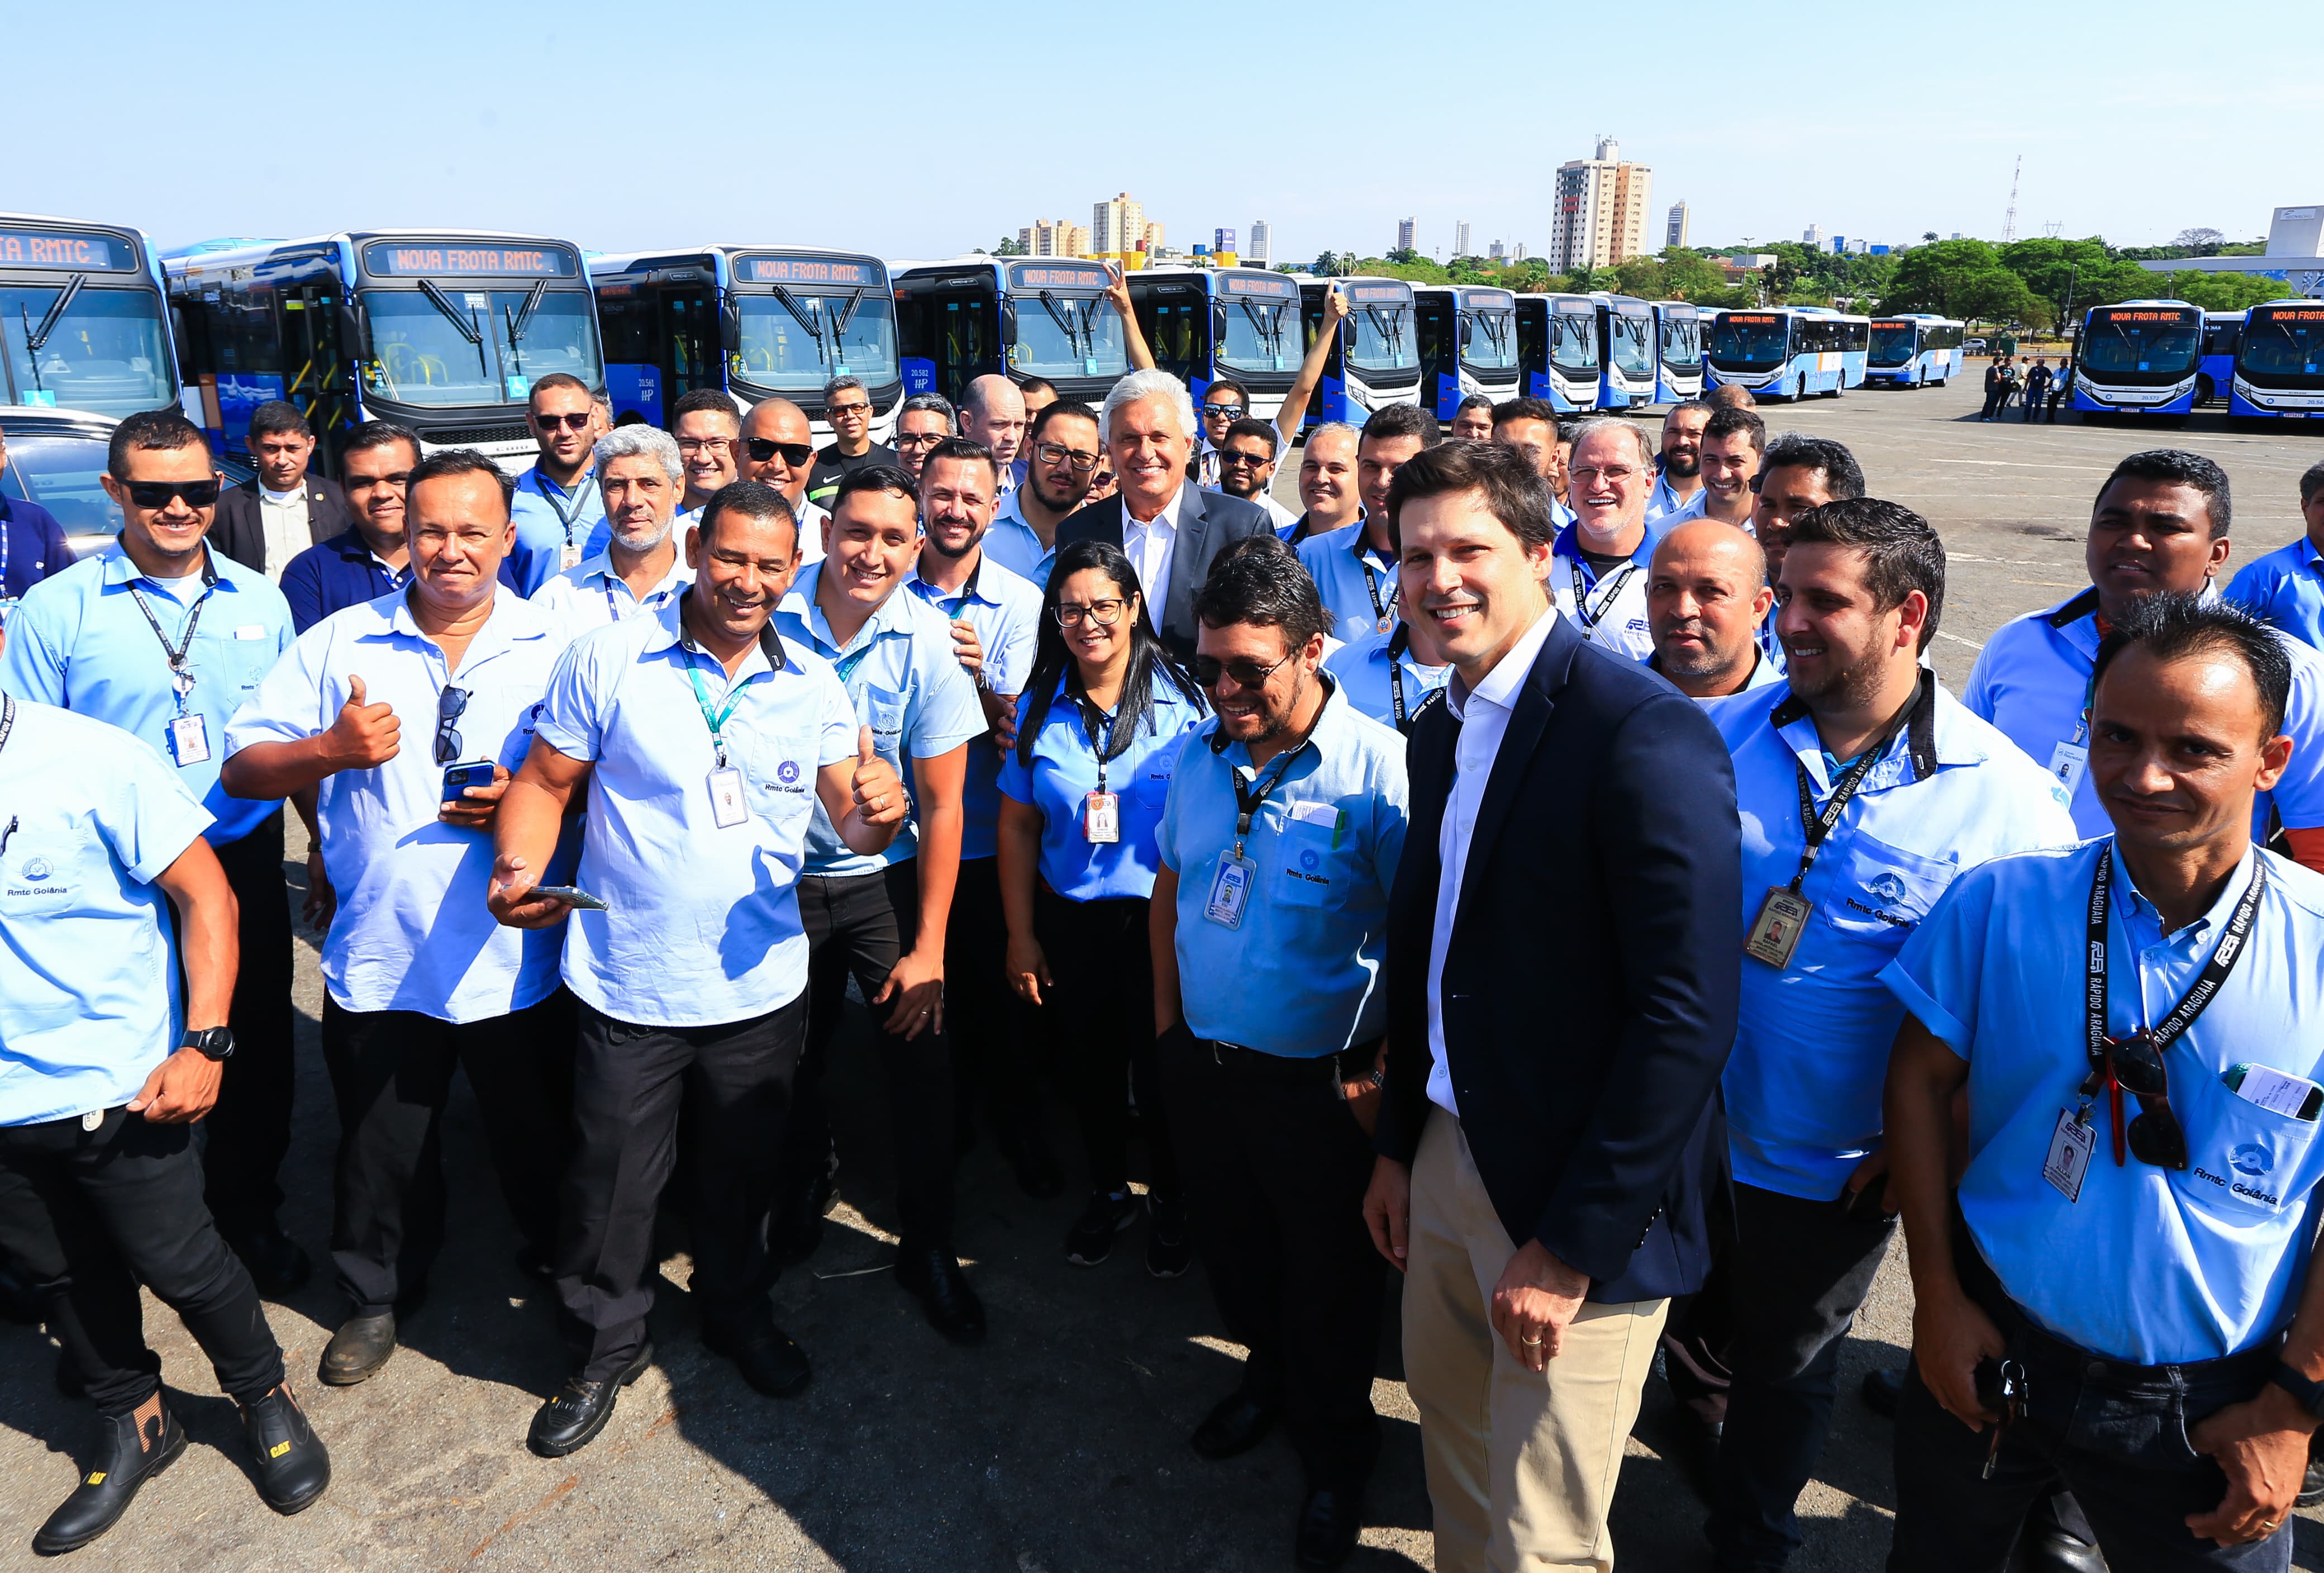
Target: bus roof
<point>2182,305</point>
<point>235,254</point>
<point>30,241</point>
<point>621,261</point>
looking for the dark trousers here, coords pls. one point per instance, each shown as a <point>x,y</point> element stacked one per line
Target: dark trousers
<point>630,1083</point>
<point>2034,403</point>
<point>1997,398</point>
<point>89,1216</point>
<point>2058,392</point>
<point>1795,1272</point>
<point>2116,1434</point>
<point>249,1131</point>
<point>1276,1168</point>
<point>391,1075</point>
<point>990,1027</point>
<point>1102,1012</point>
<point>857,926</point>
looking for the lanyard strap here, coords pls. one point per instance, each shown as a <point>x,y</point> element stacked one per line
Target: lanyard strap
<point>1814,825</point>
<point>7,719</point>
<point>1372,579</point>
<point>1248,799</point>
<point>2206,987</point>
<point>845,666</point>
<point>181,679</point>
<point>1091,717</point>
<point>716,717</point>
<point>579,494</point>
<point>1610,592</point>
<point>1396,643</point>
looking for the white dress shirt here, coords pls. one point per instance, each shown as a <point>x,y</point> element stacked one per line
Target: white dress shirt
<point>1151,547</point>
<point>1483,713</point>
<point>283,518</point>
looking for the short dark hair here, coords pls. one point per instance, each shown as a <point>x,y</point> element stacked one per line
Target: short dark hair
<point>1028,384</point>
<point>752,499</point>
<point>959,450</point>
<point>374,434</point>
<point>1232,386</point>
<point>1261,581</point>
<point>276,417</point>
<point>712,399</point>
<point>929,404</point>
<point>2172,626</point>
<point>1063,407</point>
<point>1728,396</point>
<point>1474,401</point>
<point>1843,478</point>
<point>1727,419</point>
<point>1509,409</point>
<point>445,462</point>
<point>838,386</point>
<point>1404,420</point>
<point>1694,404</point>
<point>2177,466</point>
<point>1514,491</point>
<point>163,431</point>
<point>1251,426</point>
<point>556,380</point>
<point>1901,552</point>
<point>2311,481</point>
<point>891,479</point>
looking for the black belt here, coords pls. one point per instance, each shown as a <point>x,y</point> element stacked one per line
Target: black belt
<point>1352,1063</point>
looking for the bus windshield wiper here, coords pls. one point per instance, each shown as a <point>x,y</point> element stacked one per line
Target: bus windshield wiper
<point>805,318</point>
<point>523,319</point>
<point>37,339</point>
<point>1269,327</point>
<point>845,314</point>
<point>1063,319</point>
<point>443,303</point>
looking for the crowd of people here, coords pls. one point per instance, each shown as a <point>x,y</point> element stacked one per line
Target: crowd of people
<point>1547,866</point>
<point>2037,390</point>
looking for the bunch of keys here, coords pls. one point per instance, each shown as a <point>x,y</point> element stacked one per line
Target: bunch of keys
<point>2006,1393</point>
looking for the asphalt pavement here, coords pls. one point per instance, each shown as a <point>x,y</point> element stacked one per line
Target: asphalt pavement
<point>1059,1445</point>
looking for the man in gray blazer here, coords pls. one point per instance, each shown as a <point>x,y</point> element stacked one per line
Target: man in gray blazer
<point>1171,529</point>
<point>280,512</point>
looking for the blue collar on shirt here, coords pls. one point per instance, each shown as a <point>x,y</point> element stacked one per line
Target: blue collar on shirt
<point>1928,740</point>
<point>670,629</point>
<point>934,597</point>
<point>222,571</point>
<point>892,616</point>
<point>1569,544</point>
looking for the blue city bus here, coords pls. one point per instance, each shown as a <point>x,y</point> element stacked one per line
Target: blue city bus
<point>1633,359</point>
<point>1914,349</point>
<point>2215,371</point>
<point>444,331</point>
<point>1789,352</point>
<point>1560,355</point>
<point>1468,344</point>
<point>756,321</point>
<point>1376,362</point>
<point>82,321</point>
<point>2280,363</point>
<point>2140,357</point>
<point>1207,323</point>
<point>1678,331</point>
<point>974,316</point>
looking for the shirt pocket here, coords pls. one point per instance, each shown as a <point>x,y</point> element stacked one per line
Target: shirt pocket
<point>883,710</point>
<point>1880,892</point>
<point>779,775</point>
<point>1311,871</point>
<point>1151,788</point>
<point>249,656</point>
<point>47,870</point>
<point>2243,1163</point>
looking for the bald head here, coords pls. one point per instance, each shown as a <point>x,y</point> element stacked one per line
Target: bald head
<point>784,424</point>
<point>993,411</point>
<point>1707,592</point>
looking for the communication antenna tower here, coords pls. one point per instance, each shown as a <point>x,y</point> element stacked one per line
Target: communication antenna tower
<point>2009,219</point>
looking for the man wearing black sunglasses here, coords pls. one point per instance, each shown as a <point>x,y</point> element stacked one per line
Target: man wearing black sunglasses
<point>779,450</point>
<point>2135,1021</point>
<point>559,515</point>
<point>847,407</point>
<point>165,637</point>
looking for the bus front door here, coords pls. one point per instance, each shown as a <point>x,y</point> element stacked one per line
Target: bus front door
<point>689,328</point>
<point>316,375</point>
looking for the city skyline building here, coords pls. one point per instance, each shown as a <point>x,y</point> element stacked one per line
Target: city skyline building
<point>1598,216</point>
<point>1404,233</point>
<point>1675,234</point>
<point>1117,225</point>
<point>1257,253</point>
<point>1460,237</point>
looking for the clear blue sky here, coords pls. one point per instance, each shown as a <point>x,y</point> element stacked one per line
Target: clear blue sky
<point>921,130</point>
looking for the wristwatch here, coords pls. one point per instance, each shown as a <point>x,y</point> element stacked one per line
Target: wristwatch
<point>211,1042</point>
<point>2310,1394</point>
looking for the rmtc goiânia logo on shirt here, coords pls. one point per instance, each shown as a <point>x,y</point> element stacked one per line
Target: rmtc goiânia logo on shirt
<point>787,777</point>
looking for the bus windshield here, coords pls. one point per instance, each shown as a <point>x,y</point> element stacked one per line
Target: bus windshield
<point>784,339</point>
<point>446,347</point>
<point>1750,340</point>
<point>1066,336</point>
<point>1633,336</point>
<point>1573,342</point>
<point>1682,343</point>
<point>2133,343</point>
<point>2284,346</point>
<point>1258,336</point>
<point>1492,339</point>
<point>103,353</point>
<point>1383,339</point>
<point>1893,344</point>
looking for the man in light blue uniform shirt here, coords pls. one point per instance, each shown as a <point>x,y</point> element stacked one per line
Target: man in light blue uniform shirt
<point>881,916</point>
<point>558,511</point>
<point>165,638</point>
<point>1598,564</point>
<point>704,743</point>
<point>1681,459</point>
<point>1708,605</point>
<point>419,979</point>
<point>2285,588</point>
<point>1906,789</point>
<point>2123,1279</point>
<point>1354,566</point>
<point>638,473</point>
<point>1270,1014</point>
<point>1380,675</point>
<point>995,616</point>
<point>2159,523</point>
<point>100,1190</point>
<point>1065,451</point>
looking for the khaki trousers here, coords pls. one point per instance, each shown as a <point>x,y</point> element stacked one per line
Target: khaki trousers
<point>1521,1467</point>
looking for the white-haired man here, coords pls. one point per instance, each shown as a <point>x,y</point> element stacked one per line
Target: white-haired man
<point>1170,529</point>
<point>641,475</point>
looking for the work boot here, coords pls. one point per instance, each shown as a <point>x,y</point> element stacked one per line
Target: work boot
<point>293,1468</point>
<point>137,1445</point>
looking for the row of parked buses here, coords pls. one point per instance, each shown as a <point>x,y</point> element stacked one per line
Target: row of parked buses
<point>2149,358</point>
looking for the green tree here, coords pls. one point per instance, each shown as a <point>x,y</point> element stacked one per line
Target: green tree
<point>2218,291</point>
<point>1010,246</point>
<point>1689,276</point>
<point>1642,276</point>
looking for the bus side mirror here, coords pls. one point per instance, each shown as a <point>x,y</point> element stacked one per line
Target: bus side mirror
<point>354,327</point>
<point>729,326</point>
<point>1461,337</point>
<point>1007,319</point>
<point>1218,323</point>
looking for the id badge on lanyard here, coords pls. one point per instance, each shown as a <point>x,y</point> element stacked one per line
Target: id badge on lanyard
<point>1230,889</point>
<point>189,739</point>
<point>1102,818</point>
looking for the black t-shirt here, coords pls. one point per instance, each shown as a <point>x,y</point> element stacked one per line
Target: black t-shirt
<point>1602,564</point>
<point>831,467</point>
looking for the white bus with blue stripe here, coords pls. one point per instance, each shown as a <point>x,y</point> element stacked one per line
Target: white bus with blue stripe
<point>1560,355</point>
<point>1789,352</point>
<point>1202,324</point>
<point>82,321</point>
<point>1468,344</point>
<point>1679,335</point>
<point>2279,371</point>
<point>1376,362</point>
<point>975,316</point>
<point>1632,367</point>
<point>2139,359</point>
<point>1914,349</point>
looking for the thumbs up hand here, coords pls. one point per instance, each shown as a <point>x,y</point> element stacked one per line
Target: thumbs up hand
<point>364,736</point>
<point>879,791</point>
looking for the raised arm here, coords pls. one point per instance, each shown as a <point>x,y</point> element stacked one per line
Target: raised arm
<point>863,797</point>
<point>360,737</point>
<point>1293,416</point>
<point>1133,337</point>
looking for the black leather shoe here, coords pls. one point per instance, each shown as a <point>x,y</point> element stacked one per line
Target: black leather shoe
<point>797,1226</point>
<point>1329,1522</point>
<point>1239,1423</point>
<point>769,1360</point>
<point>293,1466</point>
<point>571,1421</point>
<point>2311,1487</point>
<point>357,1350</point>
<point>2047,1548</point>
<point>934,1274</point>
<point>1882,1389</point>
<point>1169,1237</point>
<point>277,1265</point>
<point>136,1447</point>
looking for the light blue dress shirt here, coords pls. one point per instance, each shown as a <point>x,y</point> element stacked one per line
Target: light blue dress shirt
<point>1360,667</point>
<point>704,923</point>
<point>78,641</point>
<point>549,519</point>
<point>1766,670</point>
<point>412,932</point>
<point>2285,588</point>
<point>592,594</point>
<point>1356,579</point>
<point>1665,507</point>
<point>1812,1041</point>
<point>1006,613</point>
<point>1611,614</point>
<point>1063,772</point>
<point>1300,977</point>
<point>1011,543</point>
<point>2032,677</point>
<point>906,685</point>
<point>90,818</point>
<point>2149,1265</point>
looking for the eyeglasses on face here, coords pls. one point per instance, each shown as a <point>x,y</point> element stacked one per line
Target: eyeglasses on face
<point>1055,453</point>
<point>154,495</point>
<point>1590,474</point>
<point>763,449</point>
<point>1105,614</point>
<point>1229,456</point>
<point>919,439</point>
<point>577,421</point>
<point>450,705</point>
<point>705,445</point>
<point>1223,412</point>
<point>835,410</point>
<point>1246,673</point>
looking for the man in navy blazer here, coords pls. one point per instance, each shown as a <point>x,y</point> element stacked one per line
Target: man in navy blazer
<point>1171,527</point>
<point>1561,978</point>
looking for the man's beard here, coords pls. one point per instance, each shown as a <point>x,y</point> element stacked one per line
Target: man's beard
<point>646,542</point>
<point>1227,484</point>
<point>1685,466</point>
<point>1054,505</point>
<point>937,542</point>
<point>1709,664</point>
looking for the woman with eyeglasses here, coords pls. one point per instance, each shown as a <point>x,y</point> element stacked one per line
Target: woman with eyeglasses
<point>1098,732</point>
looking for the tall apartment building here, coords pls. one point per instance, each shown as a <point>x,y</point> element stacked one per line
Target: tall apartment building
<point>1497,252</point>
<point>1150,236</point>
<point>1403,228</point>
<point>1053,237</point>
<point>1600,217</point>
<point>1811,235</point>
<point>1118,224</point>
<point>1460,238</point>
<point>1676,233</point>
<point>1256,253</point>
